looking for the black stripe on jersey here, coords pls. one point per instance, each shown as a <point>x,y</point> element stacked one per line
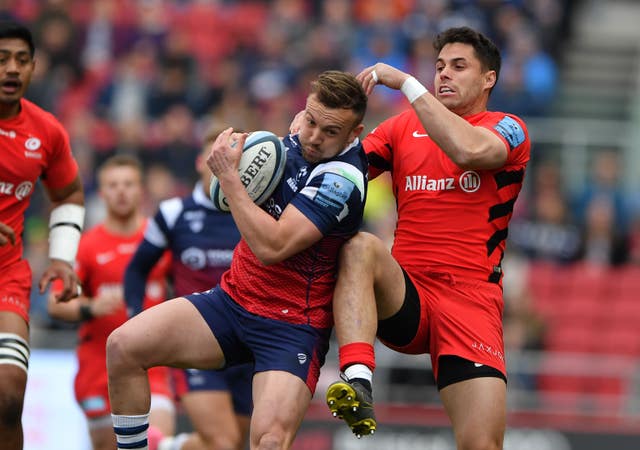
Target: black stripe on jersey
<point>494,241</point>
<point>501,210</point>
<point>378,162</point>
<point>507,177</point>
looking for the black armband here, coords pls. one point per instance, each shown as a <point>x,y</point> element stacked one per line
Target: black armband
<point>85,312</point>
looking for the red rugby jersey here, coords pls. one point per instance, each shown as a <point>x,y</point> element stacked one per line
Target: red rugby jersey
<point>32,145</point>
<point>102,260</point>
<point>449,219</point>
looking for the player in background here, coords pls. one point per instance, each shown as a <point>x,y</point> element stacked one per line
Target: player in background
<point>273,306</point>
<point>201,240</point>
<point>104,252</point>
<point>457,170</point>
<point>33,145</point>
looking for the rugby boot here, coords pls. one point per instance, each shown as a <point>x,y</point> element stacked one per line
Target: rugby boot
<point>353,403</point>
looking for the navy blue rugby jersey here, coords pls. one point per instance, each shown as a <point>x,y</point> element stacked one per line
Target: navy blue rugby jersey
<point>331,194</point>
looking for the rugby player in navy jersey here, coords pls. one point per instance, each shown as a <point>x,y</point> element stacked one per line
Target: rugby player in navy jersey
<point>201,240</point>
<point>273,306</point>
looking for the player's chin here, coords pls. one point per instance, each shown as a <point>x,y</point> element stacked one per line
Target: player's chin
<point>311,155</point>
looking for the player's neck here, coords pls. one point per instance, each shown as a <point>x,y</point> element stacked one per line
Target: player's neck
<point>9,110</point>
<point>123,225</point>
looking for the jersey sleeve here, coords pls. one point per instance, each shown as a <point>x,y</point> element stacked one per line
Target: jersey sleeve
<point>62,167</point>
<point>137,273</point>
<point>513,132</point>
<point>378,147</point>
<point>332,191</point>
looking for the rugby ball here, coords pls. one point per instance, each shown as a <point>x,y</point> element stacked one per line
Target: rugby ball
<point>261,168</point>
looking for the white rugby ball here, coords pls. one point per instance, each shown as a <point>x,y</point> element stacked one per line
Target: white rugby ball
<point>261,168</point>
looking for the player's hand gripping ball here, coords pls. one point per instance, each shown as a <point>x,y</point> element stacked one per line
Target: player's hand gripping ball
<point>261,168</point>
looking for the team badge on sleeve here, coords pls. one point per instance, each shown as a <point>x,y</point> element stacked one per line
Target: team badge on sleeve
<point>334,192</point>
<point>511,130</point>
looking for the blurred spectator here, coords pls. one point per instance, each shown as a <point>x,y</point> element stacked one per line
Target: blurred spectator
<point>605,181</point>
<point>634,241</point>
<point>603,242</point>
<point>547,231</point>
<point>56,36</point>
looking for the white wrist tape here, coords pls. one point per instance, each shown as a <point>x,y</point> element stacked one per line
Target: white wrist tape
<point>412,89</point>
<point>65,228</point>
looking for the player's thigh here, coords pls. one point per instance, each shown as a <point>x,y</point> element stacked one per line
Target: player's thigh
<point>211,413</point>
<point>172,333</point>
<point>477,409</point>
<point>280,400</point>
<point>365,258</point>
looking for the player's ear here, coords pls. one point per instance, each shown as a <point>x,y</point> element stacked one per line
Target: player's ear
<point>357,131</point>
<point>490,79</point>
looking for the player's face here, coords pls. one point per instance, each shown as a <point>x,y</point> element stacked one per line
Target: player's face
<point>16,68</point>
<point>325,132</point>
<point>121,191</point>
<point>460,82</point>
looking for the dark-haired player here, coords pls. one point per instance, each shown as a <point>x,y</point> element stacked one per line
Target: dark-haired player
<point>33,144</point>
<point>273,306</point>
<point>457,170</point>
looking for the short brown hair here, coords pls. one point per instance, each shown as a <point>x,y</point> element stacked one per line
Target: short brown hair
<point>121,160</point>
<point>340,90</point>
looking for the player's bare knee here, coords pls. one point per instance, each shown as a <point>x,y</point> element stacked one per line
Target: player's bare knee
<point>475,441</point>
<point>361,248</point>
<point>118,351</point>
<point>11,403</point>
<point>272,440</point>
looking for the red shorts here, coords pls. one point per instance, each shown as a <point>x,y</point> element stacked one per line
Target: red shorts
<point>15,289</point>
<point>461,317</point>
<point>92,388</point>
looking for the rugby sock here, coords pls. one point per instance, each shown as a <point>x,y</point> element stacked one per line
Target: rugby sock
<point>131,431</point>
<point>360,373</point>
<point>357,353</point>
<point>357,362</point>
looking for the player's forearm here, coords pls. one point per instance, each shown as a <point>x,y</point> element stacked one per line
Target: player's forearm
<point>467,146</point>
<point>75,311</point>
<point>135,277</point>
<point>261,231</point>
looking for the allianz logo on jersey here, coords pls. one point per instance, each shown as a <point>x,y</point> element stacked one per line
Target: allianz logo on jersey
<point>21,191</point>
<point>469,181</point>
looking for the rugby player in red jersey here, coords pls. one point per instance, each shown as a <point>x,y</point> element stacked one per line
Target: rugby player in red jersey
<point>103,256</point>
<point>273,306</point>
<point>456,171</point>
<point>33,145</point>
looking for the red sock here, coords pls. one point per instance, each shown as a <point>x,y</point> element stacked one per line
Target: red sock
<point>357,353</point>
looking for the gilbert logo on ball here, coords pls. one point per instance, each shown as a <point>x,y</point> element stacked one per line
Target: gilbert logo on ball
<point>261,168</point>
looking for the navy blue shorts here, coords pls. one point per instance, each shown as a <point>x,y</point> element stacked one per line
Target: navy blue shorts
<point>270,344</point>
<point>236,380</point>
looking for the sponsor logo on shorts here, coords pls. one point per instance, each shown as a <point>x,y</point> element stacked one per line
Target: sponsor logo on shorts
<point>302,358</point>
<point>420,135</point>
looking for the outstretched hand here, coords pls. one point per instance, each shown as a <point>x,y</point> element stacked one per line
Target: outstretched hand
<point>381,73</point>
<point>62,270</point>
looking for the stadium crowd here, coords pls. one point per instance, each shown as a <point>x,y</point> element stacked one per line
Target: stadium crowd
<point>148,77</point>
